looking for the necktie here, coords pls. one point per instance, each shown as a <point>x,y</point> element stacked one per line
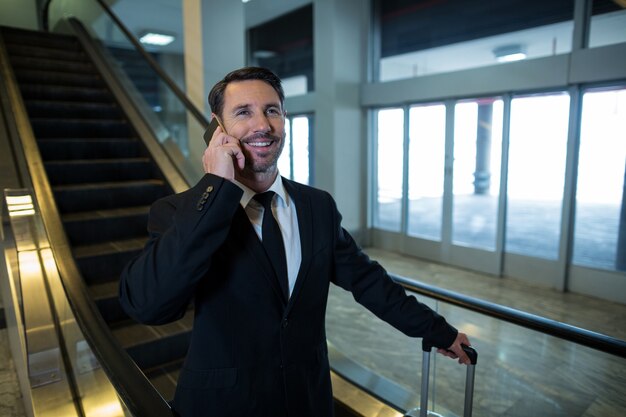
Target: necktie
<point>273,241</point>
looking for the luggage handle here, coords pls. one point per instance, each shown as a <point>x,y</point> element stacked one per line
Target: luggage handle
<point>469,380</point>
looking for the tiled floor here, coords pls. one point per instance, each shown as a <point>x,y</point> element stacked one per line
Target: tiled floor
<point>520,372</point>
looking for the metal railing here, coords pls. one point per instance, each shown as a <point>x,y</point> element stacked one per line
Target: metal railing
<point>544,325</point>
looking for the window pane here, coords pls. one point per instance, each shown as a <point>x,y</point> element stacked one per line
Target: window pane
<point>600,230</point>
<point>421,37</point>
<point>608,23</point>
<point>294,161</point>
<point>427,137</point>
<point>285,45</point>
<point>301,149</point>
<point>390,138</point>
<point>476,179</point>
<point>284,161</point>
<point>538,146</point>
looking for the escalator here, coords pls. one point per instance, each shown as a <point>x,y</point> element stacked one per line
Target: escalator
<point>103,180</point>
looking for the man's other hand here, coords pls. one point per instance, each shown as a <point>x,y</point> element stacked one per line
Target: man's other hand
<point>455,351</point>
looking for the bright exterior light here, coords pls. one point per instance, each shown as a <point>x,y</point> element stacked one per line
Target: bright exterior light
<point>157,39</point>
<point>509,53</point>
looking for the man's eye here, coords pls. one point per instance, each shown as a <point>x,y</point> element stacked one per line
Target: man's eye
<point>242,113</point>
<point>273,112</point>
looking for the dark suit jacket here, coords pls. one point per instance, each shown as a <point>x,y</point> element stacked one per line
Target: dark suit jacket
<point>250,354</point>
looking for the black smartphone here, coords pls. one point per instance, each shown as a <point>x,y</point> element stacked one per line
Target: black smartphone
<point>208,134</point>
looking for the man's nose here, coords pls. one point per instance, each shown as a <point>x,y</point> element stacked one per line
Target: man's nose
<point>261,123</point>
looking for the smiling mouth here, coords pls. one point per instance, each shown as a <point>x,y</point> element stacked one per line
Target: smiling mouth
<point>259,144</point>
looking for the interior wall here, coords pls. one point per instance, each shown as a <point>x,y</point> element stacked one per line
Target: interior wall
<point>19,13</point>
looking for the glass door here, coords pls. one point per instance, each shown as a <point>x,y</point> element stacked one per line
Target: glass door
<point>476,216</point>
<point>538,145</point>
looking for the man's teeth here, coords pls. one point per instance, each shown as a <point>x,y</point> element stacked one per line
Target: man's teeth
<point>259,144</point>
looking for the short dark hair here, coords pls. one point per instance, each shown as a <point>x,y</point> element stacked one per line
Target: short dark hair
<point>216,96</point>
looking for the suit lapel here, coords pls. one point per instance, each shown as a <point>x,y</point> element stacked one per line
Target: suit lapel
<point>245,235</point>
<point>305,226</point>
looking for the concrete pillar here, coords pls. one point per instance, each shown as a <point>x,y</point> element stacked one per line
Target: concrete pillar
<point>482,174</point>
<point>340,148</point>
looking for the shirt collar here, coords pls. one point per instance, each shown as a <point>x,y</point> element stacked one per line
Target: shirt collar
<point>277,186</point>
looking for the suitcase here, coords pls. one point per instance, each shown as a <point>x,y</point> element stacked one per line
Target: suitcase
<point>469,383</point>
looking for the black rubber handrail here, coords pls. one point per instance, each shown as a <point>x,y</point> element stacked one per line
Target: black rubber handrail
<point>597,341</point>
<point>149,59</point>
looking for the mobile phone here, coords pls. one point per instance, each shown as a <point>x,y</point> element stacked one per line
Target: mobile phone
<point>208,134</point>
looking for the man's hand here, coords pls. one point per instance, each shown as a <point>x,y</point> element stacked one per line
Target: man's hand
<point>455,351</point>
<point>222,154</point>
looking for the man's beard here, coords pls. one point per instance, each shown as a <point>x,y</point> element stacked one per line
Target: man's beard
<point>270,164</point>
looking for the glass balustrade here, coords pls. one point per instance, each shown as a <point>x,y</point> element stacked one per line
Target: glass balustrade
<point>178,129</point>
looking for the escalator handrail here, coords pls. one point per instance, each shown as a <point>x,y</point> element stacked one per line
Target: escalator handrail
<point>594,340</point>
<point>149,59</point>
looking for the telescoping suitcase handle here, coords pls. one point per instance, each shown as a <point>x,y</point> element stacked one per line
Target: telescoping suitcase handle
<point>469,380</point>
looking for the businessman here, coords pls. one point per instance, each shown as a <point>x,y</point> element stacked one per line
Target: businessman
<point>256,253</point>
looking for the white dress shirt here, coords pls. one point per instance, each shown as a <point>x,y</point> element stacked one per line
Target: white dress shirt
<point>284,210</point>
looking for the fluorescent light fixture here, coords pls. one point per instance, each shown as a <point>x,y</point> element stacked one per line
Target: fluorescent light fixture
<point>245,1</point>
<point>157,39</point>
<point>263,54</point>
<point>508,53</point>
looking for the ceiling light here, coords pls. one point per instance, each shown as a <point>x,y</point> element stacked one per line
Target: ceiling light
<point>158,39</point>
<point>508,53</point>
<point>263,54</point>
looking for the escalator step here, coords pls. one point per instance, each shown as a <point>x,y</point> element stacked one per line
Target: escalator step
<point>20,62</point>
<point>100,262</point>
<point>37,76</point>
<point>80,128</point>
<point>37,51</point>
<point>64,93</point>
<point>91,227</point>
<point>150,346</point>
<point>84,148</point>
<point>99,170</point>
<point>105,295</point>
<point>86,197</point>
<point>18,36</point>
<point>80,109</point>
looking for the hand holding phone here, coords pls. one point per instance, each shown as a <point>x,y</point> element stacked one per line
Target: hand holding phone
<point>223,153</point>
<point>208,133</point>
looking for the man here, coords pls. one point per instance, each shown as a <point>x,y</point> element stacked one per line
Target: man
<point>258,347</point>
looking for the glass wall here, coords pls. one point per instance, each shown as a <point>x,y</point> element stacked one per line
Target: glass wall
<point>476,172</point>
<point>421,37</point>
<point>600,228</point>
<point>166,18</point>
<point>427,143</point>
<point>294,163</point>
<point>535,131</point>
<point>536,173</point>
<point>390,152</point>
